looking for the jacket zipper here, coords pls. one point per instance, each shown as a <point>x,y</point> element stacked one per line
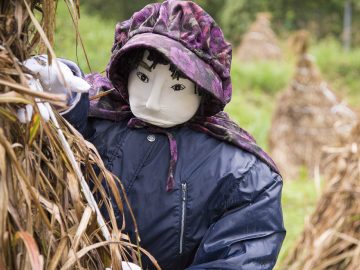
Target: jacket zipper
<point>183,209</point>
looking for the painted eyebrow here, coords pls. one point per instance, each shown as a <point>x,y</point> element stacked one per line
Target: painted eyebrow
<point>179,77</point>
<point>148,68</point>
<point>144,65</point>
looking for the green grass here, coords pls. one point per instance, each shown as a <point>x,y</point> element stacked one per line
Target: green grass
<point>251,111</point>
<point>341,69</point>
<point>298,201</point>
<point>255,86</point>
<point>254,89</point>
<point>264,76</point>
<point>98,37</point>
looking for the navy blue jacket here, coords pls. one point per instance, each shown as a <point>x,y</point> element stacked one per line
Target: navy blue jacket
<point>224,212</point>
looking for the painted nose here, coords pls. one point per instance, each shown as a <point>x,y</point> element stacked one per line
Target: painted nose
<point>153,102</point>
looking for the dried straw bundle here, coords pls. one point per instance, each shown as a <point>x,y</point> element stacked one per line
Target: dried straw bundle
<point>308,116</point>
<point>47,218</point>
<point>260,42</point>
<point>331,238</point>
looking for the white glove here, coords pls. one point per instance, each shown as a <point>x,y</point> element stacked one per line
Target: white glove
<point>55,78</point>
<point>128,266</point>
<point>25,114</point>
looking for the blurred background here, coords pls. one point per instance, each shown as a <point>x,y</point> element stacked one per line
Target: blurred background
<point>257,81</point>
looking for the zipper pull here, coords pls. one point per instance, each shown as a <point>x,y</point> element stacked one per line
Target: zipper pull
<point>183,188</point>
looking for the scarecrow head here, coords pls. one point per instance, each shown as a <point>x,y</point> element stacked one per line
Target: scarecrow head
<point>169,62</point>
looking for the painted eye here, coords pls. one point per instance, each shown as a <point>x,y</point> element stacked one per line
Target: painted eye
<point>178,87</point>
<point>142,77</point>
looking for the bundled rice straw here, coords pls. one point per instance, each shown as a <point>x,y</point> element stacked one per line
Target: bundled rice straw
<point>308,116</point>
<point>331,238</point>
<point>260,42</point>
<point>48,216</point>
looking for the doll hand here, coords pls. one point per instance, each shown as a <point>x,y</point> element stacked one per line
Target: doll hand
<point>57,77</point>
<point>25,114</point>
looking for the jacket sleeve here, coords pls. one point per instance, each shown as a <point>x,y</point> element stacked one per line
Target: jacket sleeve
<point>249,233</point>
<point>78,115</point>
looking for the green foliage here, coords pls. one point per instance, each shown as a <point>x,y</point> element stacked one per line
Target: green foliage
<point>212,7</point>
<point>321,18</point>
<point>97,36</point>
<point>298,202</point>
<point>251,111</point>
<point>123,9</point>
<point>340,68</point>
<point>266,76</point>
<point>117,10</point>
<point>254,88</point>
<point>236,17</point>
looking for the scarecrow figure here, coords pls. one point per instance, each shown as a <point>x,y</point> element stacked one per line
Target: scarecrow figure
<point>204,195</point>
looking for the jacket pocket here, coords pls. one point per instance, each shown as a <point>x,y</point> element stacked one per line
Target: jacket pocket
<point>183,215</point>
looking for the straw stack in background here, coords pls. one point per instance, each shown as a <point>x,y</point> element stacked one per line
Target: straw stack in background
<point>331,238</point>
<point>308,116</point>
<point>48,219</point>
<point>260,42</point>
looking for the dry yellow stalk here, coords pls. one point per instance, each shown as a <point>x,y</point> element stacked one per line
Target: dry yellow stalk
<point>331,237</point>
<point>45,221</point>
<point>308,116</point>
<point>260,42</point>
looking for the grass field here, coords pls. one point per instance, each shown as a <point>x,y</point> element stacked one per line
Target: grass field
<point>255,88</point>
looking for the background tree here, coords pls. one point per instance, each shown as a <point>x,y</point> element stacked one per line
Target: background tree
<point>322,17</point>
<point>236,17</point>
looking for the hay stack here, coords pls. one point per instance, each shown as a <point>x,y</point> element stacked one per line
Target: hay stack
<point>260,42</point>
<point>331,238</point>
<point>46,221</point>
<point>308,116</point>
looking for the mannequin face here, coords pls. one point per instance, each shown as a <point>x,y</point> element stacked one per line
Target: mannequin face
<point>157,98</point>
